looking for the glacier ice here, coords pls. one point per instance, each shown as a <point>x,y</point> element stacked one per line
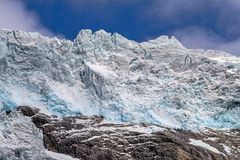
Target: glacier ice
<point>20,139</point>
<point>158,81</point>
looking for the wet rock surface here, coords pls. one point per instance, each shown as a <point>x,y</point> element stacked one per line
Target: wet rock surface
<point>27,111</point>
<point>92,138</point>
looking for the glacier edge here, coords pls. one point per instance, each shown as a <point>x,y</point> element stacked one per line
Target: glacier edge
<point>158,82</point>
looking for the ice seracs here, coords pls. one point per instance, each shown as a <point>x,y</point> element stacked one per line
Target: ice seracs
<point>158,81</point>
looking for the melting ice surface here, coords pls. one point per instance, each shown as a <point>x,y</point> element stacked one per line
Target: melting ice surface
<point>158,82</point>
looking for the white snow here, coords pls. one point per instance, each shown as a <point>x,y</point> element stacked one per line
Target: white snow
<point>102,70</point>
<point>200,143</point>
<point>83,121</point>
<point>226,148</point>
<point>74,95</point>
<point>223,59</point>
<point>115,128</point>
<point>92,138</point>
<point>141,129</point>
<point>212,138</point>
<point>23,97</point>
<point>134,128</point>
<point>59,156</point>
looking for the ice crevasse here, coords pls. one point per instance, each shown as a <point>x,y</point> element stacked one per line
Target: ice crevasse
<point>158,81</point>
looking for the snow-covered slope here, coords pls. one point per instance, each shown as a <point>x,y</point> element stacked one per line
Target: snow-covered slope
<point>159,81</point>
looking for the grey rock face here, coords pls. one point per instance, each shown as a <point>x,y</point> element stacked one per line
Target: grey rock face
<point>92,138</point>
<point>27,111</point>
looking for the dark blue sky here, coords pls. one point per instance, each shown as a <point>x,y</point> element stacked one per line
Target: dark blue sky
<point>210,24</point>
<point>136,19</point>
<point>127,18</point>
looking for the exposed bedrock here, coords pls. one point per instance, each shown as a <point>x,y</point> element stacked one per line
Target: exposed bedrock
<point>92,138</point>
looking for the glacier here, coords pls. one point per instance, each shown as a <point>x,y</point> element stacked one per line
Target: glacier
<point>157,82</point>
<point>21,139</point>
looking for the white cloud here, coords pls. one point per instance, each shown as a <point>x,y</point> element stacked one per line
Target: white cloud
<point>14,15</point>
<point>194,37</point>
<point>175,8</point>
<point>217,26</point>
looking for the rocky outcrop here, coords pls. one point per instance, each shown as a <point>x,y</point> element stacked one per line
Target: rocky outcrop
<point>26,111</point>
<point>92,138</point>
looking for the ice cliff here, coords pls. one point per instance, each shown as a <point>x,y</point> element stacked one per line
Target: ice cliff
<point>158,81</point>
